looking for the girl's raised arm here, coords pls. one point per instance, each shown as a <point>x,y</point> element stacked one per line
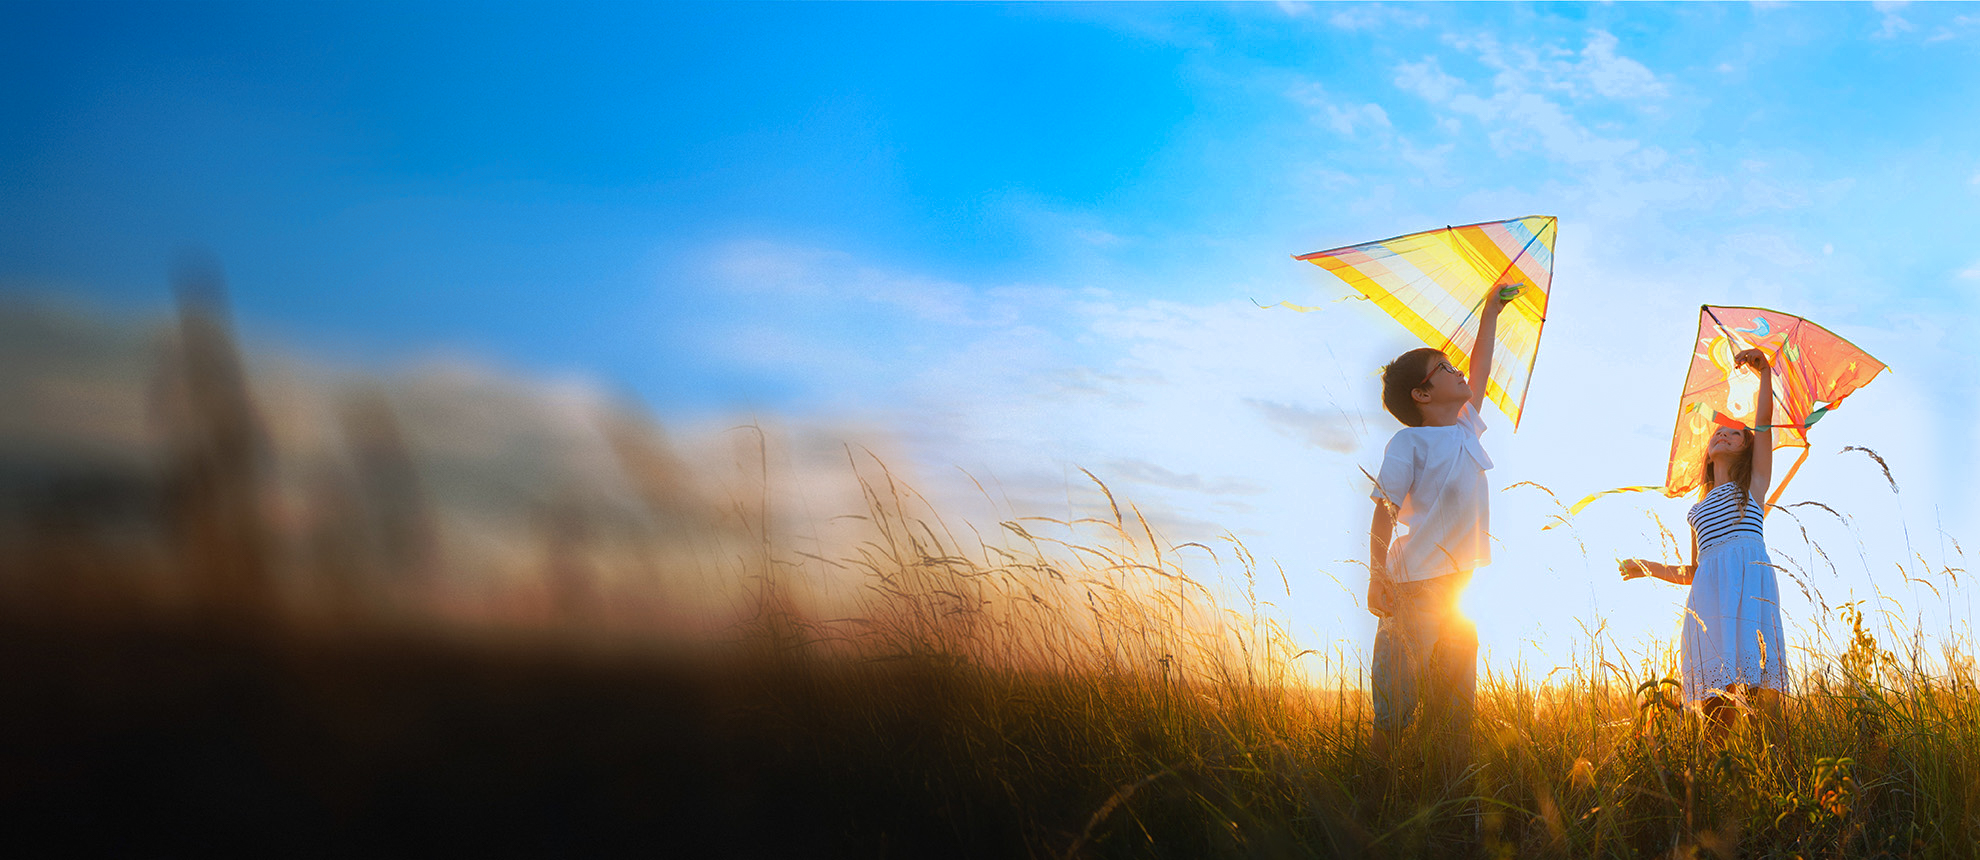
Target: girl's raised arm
<point>1763,420</point>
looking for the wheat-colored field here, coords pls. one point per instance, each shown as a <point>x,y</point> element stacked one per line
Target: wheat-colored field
<point>1111,704</point>
<point>1046,688</point>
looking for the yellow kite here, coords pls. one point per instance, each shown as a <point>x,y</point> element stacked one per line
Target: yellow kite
<point>1436,282</point>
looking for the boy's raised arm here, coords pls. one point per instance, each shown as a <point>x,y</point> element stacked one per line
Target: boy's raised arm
<point>1480,372</point>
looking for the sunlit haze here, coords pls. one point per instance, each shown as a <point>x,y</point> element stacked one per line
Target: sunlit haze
<point>999,245</point>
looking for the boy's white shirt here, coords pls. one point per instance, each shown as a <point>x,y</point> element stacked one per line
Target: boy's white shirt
<point>1435,476</point>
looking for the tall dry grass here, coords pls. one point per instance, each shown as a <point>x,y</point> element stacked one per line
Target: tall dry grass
<point>1093,689</point>
<point>1052,688</point>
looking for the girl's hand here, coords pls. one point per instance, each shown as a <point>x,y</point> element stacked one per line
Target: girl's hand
<point>1633,568</point>
<point>1753,358</point>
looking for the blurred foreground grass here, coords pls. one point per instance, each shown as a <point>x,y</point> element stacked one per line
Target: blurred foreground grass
<point>1058,689</point>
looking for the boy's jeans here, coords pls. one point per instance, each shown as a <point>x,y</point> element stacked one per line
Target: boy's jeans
<point>1426,656</point>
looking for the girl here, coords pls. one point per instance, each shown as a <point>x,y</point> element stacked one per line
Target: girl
<point>1731,644</point>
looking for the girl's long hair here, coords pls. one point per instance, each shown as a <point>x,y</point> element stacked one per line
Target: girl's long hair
<point>1742,472</point>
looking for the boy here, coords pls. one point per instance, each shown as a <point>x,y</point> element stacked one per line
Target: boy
<point>1433,481</point>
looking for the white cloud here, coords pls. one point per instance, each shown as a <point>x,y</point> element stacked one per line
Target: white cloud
<point>1295,9</point>
<point>769,346</point>
<point>835,331</point>
<point>1596,70</point>
<point>1518,114</point>
<point>1648,158</point>
<point>1155,475</point>
<point>1320,177</point>
<point>1427,79</point>
<point>1521,120</point>
<point>1433,163</point>
<point>1971,273</point>
<point>1767,195</point>
<point>1370,17</point>
<point>1614,194</point>
<point>1614,76</point>
<point>1960,26</point>
<point>1096,237</point>
<point>1775,249</point>
<point>1892,24</point>
<point>1333,431</point>
<point>790,271</point>
<point>1345,120</point>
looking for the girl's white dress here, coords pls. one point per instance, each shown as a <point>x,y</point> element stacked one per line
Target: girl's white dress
<point>1732,620</point>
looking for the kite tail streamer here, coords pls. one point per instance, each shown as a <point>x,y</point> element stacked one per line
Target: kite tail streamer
<point>1577,506</point>
<point>1306,309</point>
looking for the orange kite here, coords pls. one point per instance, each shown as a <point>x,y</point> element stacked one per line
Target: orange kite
<point>1811,365</point>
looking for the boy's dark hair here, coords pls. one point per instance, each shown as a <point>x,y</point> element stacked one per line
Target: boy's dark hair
<point>1402,376</point>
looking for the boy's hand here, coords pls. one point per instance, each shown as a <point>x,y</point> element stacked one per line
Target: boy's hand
<point>1379,604</point>
<point>1509,292</point>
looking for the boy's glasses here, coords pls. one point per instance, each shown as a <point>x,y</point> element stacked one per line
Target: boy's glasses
<point>1442,365</point>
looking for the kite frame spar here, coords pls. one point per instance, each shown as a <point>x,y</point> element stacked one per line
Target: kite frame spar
<point>1468,252</point>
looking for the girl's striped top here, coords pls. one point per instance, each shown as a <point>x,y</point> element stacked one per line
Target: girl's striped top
<point>1717,519</point>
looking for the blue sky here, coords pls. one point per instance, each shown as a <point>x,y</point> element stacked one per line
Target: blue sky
<point>1020,239</point>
